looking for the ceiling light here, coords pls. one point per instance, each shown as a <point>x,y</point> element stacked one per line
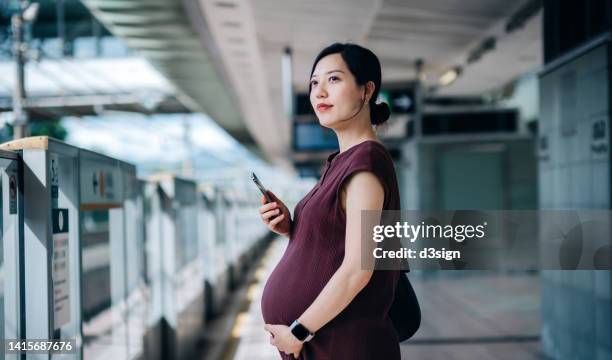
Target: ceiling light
<point>449,76</point>
<point>30,13</point>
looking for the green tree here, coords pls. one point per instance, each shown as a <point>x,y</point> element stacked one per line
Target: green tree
<point>51,128</point>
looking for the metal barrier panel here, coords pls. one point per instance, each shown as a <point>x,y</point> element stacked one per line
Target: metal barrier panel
<point>103,256</point>
<point>81,221</point>
<point>11,290</point>
<point>114,296</point>
<point>229,226</point>
<point>137,294</point>
<point>156,323</point>
<point>51,241</point>
<point>221,238</point>
<point>176,273</point>
<point>215,267</point>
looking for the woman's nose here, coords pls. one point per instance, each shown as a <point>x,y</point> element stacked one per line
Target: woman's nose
<point>320,92</point>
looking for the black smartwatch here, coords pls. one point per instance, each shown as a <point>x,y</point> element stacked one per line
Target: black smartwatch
<point>300,332</point>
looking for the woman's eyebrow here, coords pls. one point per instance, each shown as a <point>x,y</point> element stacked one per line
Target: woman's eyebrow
<point>329,72</point>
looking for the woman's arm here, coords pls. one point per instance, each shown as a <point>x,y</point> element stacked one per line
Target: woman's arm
<point>363,192</point>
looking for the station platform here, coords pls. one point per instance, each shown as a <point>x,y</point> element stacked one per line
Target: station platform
<point>239,333</point>
<point>468,316</point>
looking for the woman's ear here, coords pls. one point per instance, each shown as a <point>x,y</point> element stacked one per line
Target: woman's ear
<point>369,90</point>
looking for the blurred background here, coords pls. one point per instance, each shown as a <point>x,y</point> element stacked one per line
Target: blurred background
<point>496,105</point>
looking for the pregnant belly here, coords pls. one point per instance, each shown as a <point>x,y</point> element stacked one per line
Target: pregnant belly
<point>280,301</point>
<point>292,286</point>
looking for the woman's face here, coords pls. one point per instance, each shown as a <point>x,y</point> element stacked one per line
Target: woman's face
<point>334,94</point>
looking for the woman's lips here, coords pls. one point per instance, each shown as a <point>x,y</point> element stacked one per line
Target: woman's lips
<point>322,107</point>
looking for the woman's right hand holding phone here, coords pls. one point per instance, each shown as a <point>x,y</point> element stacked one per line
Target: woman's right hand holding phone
<point>275,215</point>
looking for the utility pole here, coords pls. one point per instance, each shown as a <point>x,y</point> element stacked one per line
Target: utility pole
<point>287,71</point>
<point>20,115</point>
<point>188,170</point>
<point>26,13</point>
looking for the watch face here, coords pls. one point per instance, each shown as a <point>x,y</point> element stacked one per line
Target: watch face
<point>300,332</point>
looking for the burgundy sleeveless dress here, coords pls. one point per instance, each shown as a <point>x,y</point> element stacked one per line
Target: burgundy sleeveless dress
<point>363,329</point>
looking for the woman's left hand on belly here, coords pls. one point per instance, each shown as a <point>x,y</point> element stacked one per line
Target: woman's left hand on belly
<point>284,340</point>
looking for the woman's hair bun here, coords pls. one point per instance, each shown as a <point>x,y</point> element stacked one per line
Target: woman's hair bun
<point>379,113</point>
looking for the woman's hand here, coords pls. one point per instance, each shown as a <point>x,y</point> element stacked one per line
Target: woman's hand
<point>284,340</point>
<point>275,215</point>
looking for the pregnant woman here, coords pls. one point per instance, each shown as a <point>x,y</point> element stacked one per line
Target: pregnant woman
<point>319,303</point>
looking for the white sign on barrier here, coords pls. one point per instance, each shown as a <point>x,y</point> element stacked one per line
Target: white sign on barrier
<point>60,268</point>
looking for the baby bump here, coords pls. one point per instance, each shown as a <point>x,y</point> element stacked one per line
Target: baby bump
<point>281,300</point>
<point>292,286</point>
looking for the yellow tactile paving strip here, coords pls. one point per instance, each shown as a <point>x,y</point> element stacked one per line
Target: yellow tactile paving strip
<point>248,339</point>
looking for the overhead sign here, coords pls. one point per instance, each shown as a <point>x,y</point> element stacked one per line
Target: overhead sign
<point>400,100</point>
<point>312,136</point>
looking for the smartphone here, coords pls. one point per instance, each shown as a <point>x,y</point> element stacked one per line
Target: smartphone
<point>261,188</point>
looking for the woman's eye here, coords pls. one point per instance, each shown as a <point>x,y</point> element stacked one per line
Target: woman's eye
<point>313,83</point>
<point>333,78</point>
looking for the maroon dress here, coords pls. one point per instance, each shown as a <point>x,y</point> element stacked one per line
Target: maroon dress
<point>363,329</point>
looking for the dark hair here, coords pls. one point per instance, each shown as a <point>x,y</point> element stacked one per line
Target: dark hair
<point>364,66</point>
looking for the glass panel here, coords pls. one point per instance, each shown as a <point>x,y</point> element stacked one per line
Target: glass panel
<point>104,334</point>
<point>137,291</point>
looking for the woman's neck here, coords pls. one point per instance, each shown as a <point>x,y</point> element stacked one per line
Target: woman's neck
<point>348,138</point>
